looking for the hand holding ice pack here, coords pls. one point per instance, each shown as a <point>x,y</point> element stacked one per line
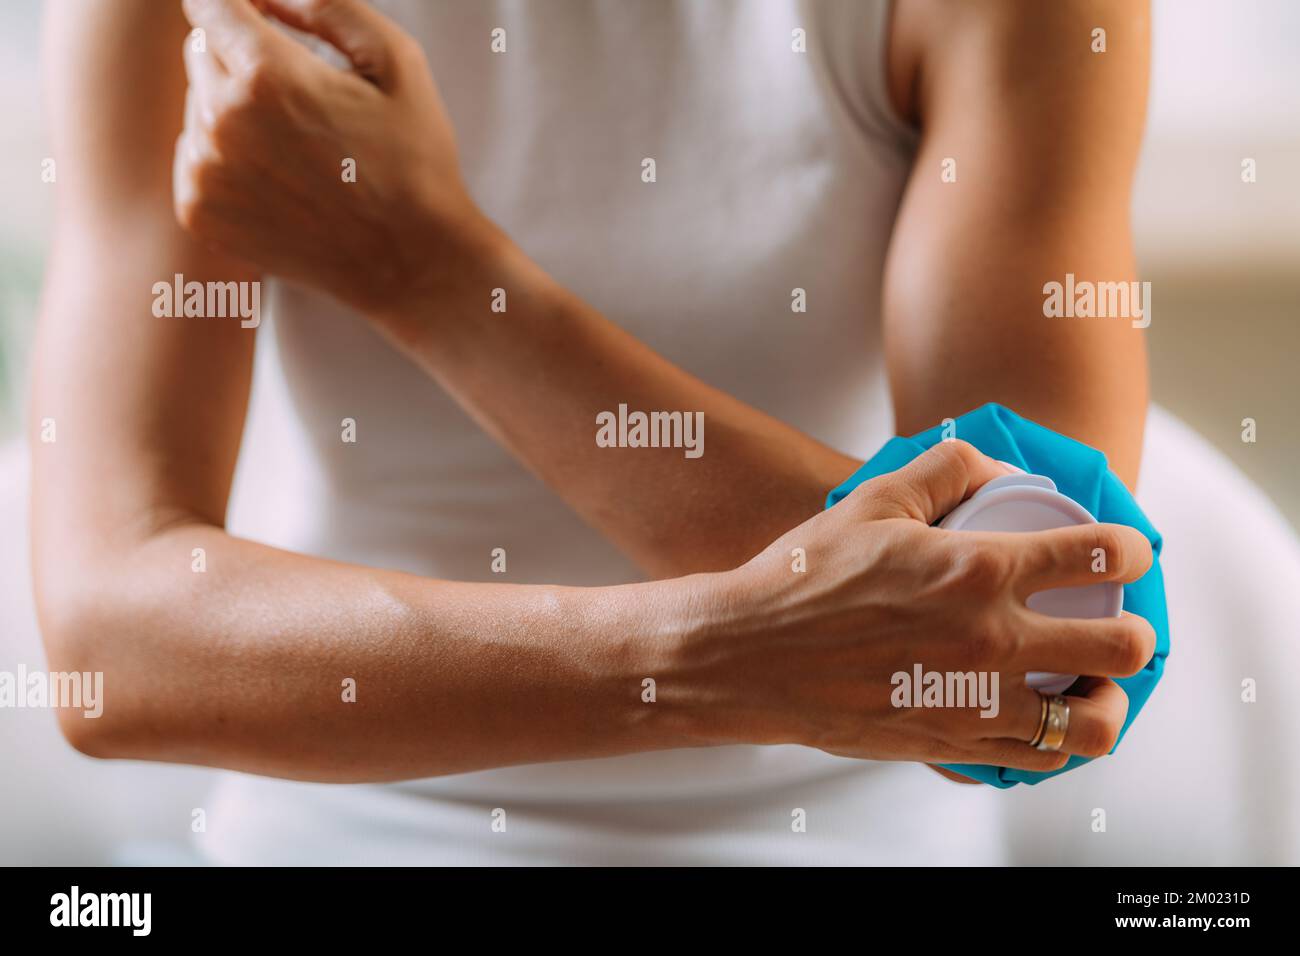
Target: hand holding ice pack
<point>1027,502</point>
<point>1078,473</point>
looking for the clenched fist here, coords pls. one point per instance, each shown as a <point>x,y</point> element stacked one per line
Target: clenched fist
<point>346,180</point>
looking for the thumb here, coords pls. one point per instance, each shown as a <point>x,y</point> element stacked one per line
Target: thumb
<point>932,483</point>
<point>356,29</point>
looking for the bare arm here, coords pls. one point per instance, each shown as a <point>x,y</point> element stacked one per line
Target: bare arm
<point>243,665</point>
<point>1044,134</point>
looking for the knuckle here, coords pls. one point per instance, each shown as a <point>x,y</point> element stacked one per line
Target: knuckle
<point>882,488</point>
<point>255,81</point>
<point>407,48</point>
<point>943,450</point>
<point>192,205</point>
<point>950,454</point>
<point>1098,738</point>
<point>205,116</point>
<point>870,496</point>
<point>963,455</point>
<point>977,568</point>
<point>1029,558</point>
<point>188,212</point>
<point>984,644</point>
<point>953,448</point>
<point>856,503</point>
<point>861,493</point>
<point>1010,644</point>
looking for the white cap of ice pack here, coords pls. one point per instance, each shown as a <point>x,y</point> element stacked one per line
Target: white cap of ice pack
<point>1025,502</point>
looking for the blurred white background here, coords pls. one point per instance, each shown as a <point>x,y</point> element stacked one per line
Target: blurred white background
<point>1223,257</point>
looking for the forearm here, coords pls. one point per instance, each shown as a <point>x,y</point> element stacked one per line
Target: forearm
<point>284,665</point>
<point>538,375</point>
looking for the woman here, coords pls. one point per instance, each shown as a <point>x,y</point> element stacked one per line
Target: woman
<point>730,209</point>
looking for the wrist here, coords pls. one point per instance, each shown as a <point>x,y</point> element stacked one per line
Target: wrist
<point>449,266</point>
<point>711,676</point>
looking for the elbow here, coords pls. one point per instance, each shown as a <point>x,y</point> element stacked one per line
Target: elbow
<point>115,625</point>
<point>86,734</point>
<point>89,673</point>
<point>87,721</point>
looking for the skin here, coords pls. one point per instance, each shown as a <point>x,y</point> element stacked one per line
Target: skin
<point>241,666</point>
<point>1045,134</point>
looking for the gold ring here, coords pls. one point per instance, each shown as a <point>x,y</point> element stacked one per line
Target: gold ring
<point>1042,720</point>
<point>1052,734</point>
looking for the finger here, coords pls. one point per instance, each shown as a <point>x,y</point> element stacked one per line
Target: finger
<point>193,148</point>
<point>932,484</point>
<point>1016,754</point>
<point>234,29</point>
<point>1020,711</point>
<point>1080,555</point>
<point>183,189</point>
<point>1002,709</point>
<point>950,774</point>
<point>1105,647</point>
<point>356,29</point>
<point>207,79</point>
<point>1098,708</point>
<point>1019,715</point>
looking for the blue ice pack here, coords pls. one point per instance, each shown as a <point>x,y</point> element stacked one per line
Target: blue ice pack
<point>1081,473</point>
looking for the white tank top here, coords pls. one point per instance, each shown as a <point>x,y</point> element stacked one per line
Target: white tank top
<point>779,166</point>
